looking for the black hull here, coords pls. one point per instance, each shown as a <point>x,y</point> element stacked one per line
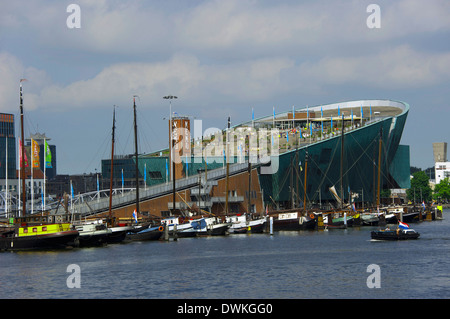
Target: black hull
<point>253,229</point>
<point>60,240</point>
<point>340,224</point>
<point>216,231</point>
<point>183,234</point>
<point>116,237</point>
<point>411,217</point>
<point>293,224</point>
<point>93,240</point>
<point>154,234</point>
<point>393,235</point>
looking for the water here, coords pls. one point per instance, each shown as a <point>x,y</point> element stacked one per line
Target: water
<point>306,264</point>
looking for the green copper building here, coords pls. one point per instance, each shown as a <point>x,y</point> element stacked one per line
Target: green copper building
<point>312,144</point>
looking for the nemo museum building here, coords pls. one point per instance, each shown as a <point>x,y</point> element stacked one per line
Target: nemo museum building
<point>352,147</point>
<point>315,155</point>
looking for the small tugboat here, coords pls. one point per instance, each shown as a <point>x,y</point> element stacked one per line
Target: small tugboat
<point>39,236</point>
<point>403,232</point>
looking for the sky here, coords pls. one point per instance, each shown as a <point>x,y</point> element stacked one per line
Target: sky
<point>220,58</point>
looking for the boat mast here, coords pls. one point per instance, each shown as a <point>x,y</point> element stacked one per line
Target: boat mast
<point>228,168</point>
<point>306,173</point>
<point>379,168</point>
<point>22,162</point>
<point>342,163</point>
<point>136,155</point>
<point>112,167</point>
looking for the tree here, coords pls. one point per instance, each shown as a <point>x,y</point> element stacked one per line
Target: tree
<point>442,190</point>
<point>420,187</point>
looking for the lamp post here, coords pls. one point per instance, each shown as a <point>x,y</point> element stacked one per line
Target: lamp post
<point>171,144</point>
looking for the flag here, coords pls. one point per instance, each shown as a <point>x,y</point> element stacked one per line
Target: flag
<point>339,111</point>
<point>167,171</point>
<point>321,112</point>
<point>35,153</point>
<point>274,112</point>
<point>98,185</point>
<point>403,225</point>
<point>423,204</point>
<point>362,115</point>
<point>48,155</point>
<point>122,179</point>
<point>353,207</point>
<point>25,160</point>
<point>135,216</point>
<point>71,188</point>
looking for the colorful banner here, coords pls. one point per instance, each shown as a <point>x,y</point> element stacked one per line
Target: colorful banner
<point>25,161</point>
<point>48,155</point>
<point>35,153</point>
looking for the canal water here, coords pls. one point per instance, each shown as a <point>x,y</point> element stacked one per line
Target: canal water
<point>287,265</point>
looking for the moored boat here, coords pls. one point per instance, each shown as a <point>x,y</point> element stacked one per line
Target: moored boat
<point>149,233</point>
<point>340,222</point>
<point>293,221</point>
<point>182,228</point>
<point>36,237</point>
<point>210,226</point>
<point>93,233</point>
<point>240,224</point>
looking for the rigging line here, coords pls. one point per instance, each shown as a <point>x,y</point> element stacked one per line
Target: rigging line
<point>325,174</point>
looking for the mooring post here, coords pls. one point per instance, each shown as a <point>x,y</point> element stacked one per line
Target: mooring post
<point>166,232</point>
<point>271,225</point>
<point>175,233</point>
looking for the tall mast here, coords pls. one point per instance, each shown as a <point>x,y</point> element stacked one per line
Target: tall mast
<point>22,162</point>
<point>228,167</point>
<point>342,163</point>
<point>306,173</point>
<point>379,168</point>
<point>136,155</point>
<point>112,166</point>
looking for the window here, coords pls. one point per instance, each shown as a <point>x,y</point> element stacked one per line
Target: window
<point>155,174</point>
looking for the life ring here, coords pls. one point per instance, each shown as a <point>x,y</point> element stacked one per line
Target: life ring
<point>312,216</point>
<point>161,228</point>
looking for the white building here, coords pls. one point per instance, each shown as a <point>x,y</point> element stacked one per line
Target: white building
<point>442,170</point>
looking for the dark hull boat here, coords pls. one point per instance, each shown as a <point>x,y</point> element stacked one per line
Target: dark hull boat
<point>92,234</point>
<point>240,224</point>
<point>291,221</point>
<point>338,223</point>
<point>151,233</point>
<point>398,234</point>
<point>210,226</point>
<point>117,234</point>
<point>40,237</point>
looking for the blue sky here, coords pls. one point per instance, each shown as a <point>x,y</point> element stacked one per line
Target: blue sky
<point>220,58</point>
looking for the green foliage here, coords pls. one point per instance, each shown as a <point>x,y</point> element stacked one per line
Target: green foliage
<point>420,187</point>
<point>442,190</point>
